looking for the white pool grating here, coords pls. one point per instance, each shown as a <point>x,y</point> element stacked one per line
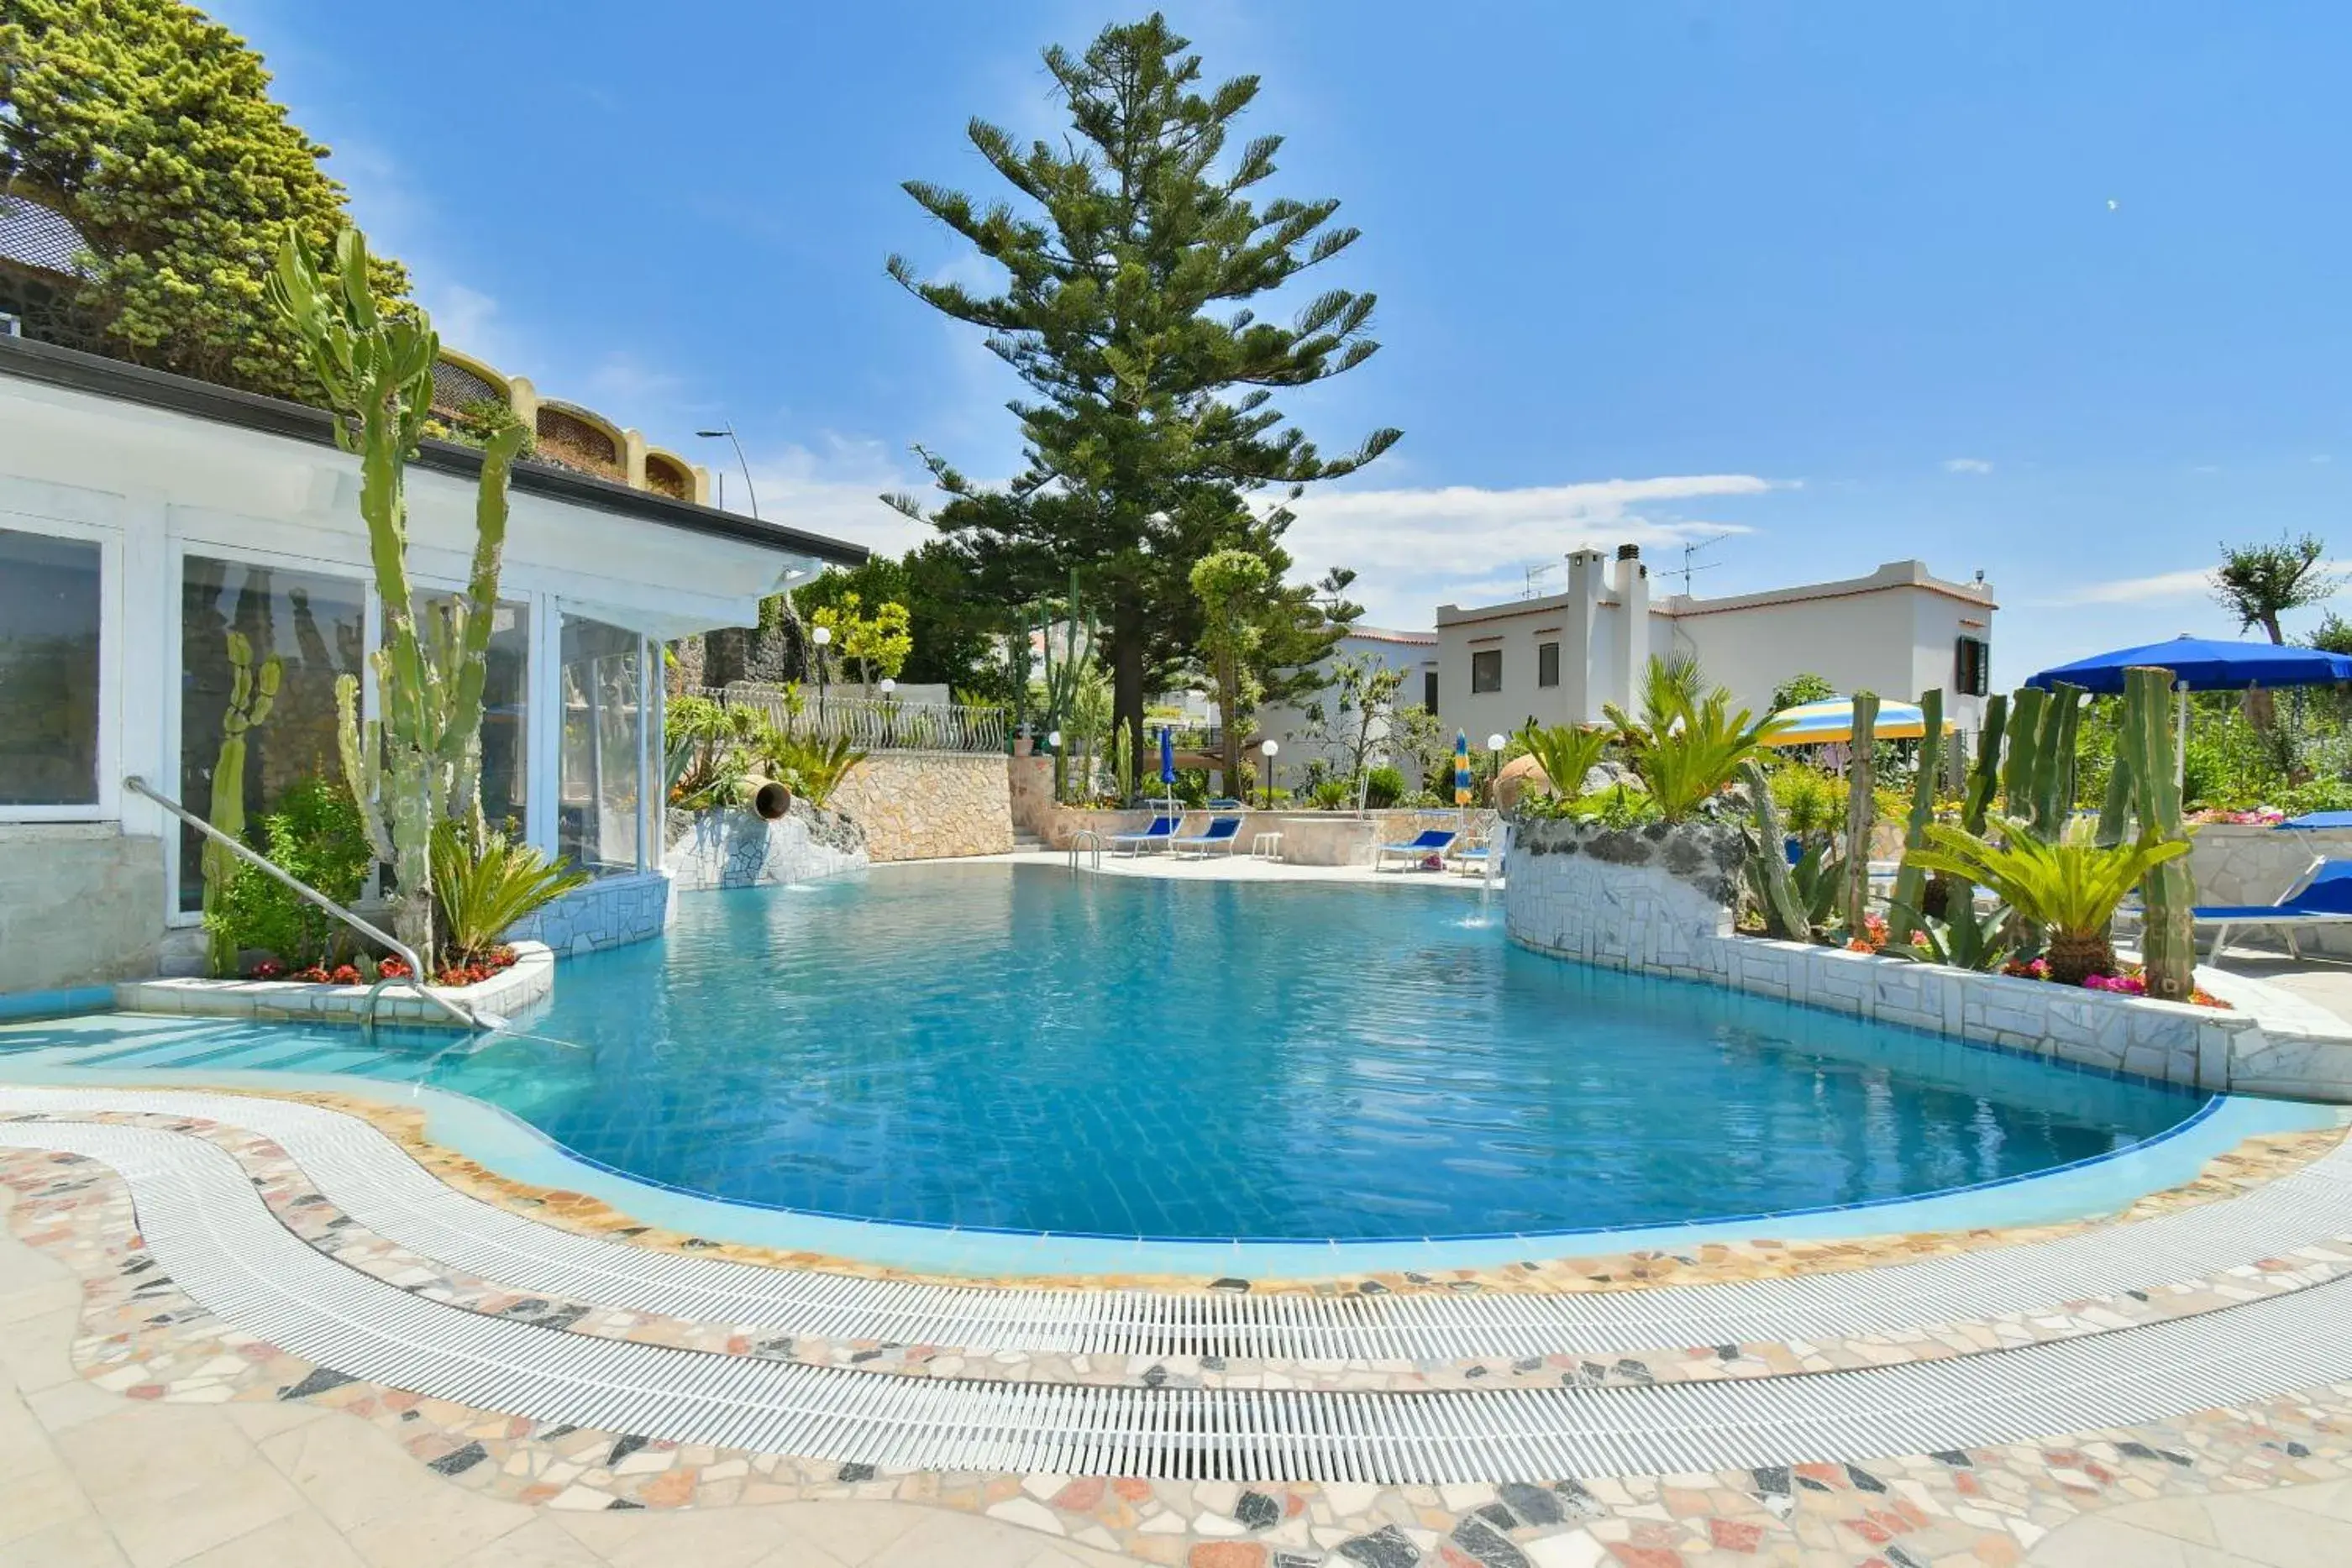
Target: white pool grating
<point>218,1242</point>
<point>375,1182</point>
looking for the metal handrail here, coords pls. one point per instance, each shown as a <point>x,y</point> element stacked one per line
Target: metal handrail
<point>415,975</point>
<point>1086,838</point>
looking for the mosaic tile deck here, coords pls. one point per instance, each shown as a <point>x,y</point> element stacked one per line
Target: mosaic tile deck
<point>1987,1506</point>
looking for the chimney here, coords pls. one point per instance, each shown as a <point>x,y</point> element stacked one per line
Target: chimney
<point>1578,638</point>
<point>1630,636</point>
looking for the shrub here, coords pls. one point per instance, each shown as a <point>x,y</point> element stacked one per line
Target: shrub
<point>1565,753</point>
<point>1383,787</point>
<point>1332,795</point>
<point>2068,887</point>
<point>1688,762</point>
<point>483,887</point>
<point>316,837</point>
<point>808,768</point>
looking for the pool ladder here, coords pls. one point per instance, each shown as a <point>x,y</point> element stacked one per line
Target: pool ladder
<point>1082,840</point>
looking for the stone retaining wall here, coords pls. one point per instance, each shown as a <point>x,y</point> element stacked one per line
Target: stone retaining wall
<point>81,902</point>
<point>611,912</point>
<point>1308,838</point>
<point>738,848</point>
<point>1659,900</point>
<point>928,805</point>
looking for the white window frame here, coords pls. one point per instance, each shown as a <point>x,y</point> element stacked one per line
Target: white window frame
<point>175,637</point>
<point>107,806</point>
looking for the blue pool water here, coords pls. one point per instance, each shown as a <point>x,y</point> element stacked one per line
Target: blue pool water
<point>992,1046</point>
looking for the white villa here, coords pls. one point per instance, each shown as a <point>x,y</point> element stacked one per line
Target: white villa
<point>143,517</point>
<point>1412,653</point>
<point>1557,659</point>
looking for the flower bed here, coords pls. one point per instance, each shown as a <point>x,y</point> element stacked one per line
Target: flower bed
<point>527,976</point>
<point>471,973</point>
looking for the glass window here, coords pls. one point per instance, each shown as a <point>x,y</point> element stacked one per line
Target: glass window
<point>1486,670</point>
<point>506,714</point>
<point>49,614</point>
<point>604,745</point>
<point>1546,663</point>
<point>317,626</point>
<point>1429,690</point>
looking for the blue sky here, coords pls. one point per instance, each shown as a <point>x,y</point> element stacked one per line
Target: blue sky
<point>2059,293</point>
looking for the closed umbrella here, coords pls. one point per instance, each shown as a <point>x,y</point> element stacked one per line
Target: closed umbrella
<point>1462,768</point>
<point>1168,762</point>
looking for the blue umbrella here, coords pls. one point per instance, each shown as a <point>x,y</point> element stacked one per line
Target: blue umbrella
<point>2203,665</point>
<point>1167,754</point>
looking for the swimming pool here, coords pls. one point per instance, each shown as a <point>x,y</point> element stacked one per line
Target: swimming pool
<point>1002,1047</point>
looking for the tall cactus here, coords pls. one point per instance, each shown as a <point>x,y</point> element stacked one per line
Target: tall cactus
<point>1861,811</point>
<point>2038,777</point>
<point>251,695</point>
<point>377,373</point>
<point>1986,778</point>
<point>1911,883</point>
<point>1784,911</point>
<point>1062,679</point>
<point>2167,941</point>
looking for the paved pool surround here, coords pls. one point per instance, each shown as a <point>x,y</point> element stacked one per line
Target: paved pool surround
<point>1659,900</point>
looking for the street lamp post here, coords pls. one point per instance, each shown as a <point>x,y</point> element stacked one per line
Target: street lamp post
<point>890,710</point>
<point>820,636</point>
<point>1270,747</point>
<point>729,432</point>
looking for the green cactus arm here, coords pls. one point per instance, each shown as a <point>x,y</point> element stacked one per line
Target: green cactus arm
<point>1911,883</point>
<point>1985,775</point>
<point>1861,811</point>
<point>477,617</point>
<point>2168,890</point>
<point>1783,910</point>
<point>2055,801</point>
<point>359,748</point>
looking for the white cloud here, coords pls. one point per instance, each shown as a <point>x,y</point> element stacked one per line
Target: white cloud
<point>1966,465</point>
<point>2191,583</point>
<point>835,491</point>
<point>1416,549</point>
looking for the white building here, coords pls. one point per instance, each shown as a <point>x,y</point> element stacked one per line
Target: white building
<point>143,517</point>
<point>1898,632</point>
<point>1413,654</point>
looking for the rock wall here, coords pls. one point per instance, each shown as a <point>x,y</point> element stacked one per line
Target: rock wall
<point>80,903</point>
<point>928,805</point>
<point>1659,900</point>
<point>736,848</point>
<point>610,912</point>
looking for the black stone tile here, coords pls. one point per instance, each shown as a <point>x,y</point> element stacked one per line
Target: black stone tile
<point>1386,1548</point>
<point>1258,1512</point>
<point>319,1382</point>
<point>1535,1505</point>
<point>1488,1545</point>
<point>460,1461</point>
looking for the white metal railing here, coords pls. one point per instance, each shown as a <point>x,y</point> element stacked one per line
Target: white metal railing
<point>870,723</point>
<point>1085,839</point>
<point>415,975</point>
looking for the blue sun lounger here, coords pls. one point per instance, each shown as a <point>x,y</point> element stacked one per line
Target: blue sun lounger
<point>1430,841</point>
<point>1162,831</point>
<point>2323,896</point>
<point>1225,830</point>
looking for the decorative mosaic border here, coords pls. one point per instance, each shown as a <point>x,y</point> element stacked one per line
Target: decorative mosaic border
<point>145,1339</point>
<point>309,1214</point>
<point>2251,1162</point>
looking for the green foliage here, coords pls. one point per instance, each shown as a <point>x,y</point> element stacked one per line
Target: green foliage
<point>2258,583</point>
<point>1911,886</point>
<point>151,128</point>
<point>1963,938</point>
<point>810,767</point>
<point>2069,887</point>
<point>482,420</point>
<point>1383,787</point>
<point>1359,703</point>
<point>1618,806</point>
<point>874,642</point>
<point>1565,753</point>
<point>483,883</point>
<point>1672,685</point>
<point>1235,590</point>
<point>1687,763</point>
<point>1332,794</point>
<point>705,749</point>
<point>251,696</point>
<point>1810,801</point>
<point>952,631</point>
<point>1798,690</point>
<point>1131,258</point>
<point>315,836</point>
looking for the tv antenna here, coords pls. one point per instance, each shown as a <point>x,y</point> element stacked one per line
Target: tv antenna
<point>1535,574</point>
<point>1692,565</point>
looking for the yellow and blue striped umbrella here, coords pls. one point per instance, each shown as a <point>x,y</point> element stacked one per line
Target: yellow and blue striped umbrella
<point>1831,720</point>
<point>1461,768</point>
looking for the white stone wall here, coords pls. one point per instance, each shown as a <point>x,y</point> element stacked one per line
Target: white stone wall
<point>80,903</point>
<point>1660,901</point>
<point>531,978</point>
<point>610,912</point>
<point>928,805</point>
<point>736,848</point>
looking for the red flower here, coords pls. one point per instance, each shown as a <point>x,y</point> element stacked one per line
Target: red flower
<point>393,970</point>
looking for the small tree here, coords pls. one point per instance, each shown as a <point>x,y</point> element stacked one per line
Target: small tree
<point>151,128</point>
<point>2259,583</point>
<point>1799,690</point>
<point>1360,714</point>
<point>1235,590</point>
<point>876,644</point>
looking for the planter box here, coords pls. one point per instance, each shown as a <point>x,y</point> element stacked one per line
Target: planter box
<point>1659,900</point>
<point>531,978</point>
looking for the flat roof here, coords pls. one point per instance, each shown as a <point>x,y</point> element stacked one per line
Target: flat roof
<point>49,365</point>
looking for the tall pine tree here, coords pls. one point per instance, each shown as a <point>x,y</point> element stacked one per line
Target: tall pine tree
<point>1151,416</point>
